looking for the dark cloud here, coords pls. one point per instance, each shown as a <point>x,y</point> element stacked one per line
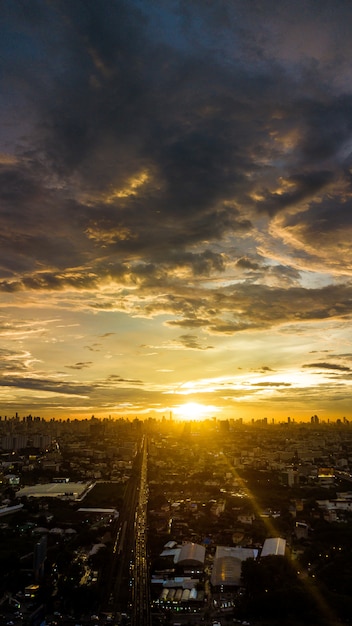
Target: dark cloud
<point>288,276</point>
<point>247,264</point>
<point>80,366</point>
<point>13,361</point>
<point>329,366</point>
<point>115,101</point>
<point>192,342</point>
<point>115,379</point>
<point>319,351</point>
<point>249,306</point>
<point>328,126</point>
<point>326,226</point>
<point>42,384</point>
<point>189,323</point>
<point>35,383</point>
<point>270,384</point>
<point>95,347</point>
<point>221,310</point>
<point>302,187</point>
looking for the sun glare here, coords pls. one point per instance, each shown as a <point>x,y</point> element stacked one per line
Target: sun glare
<point>193,411</point>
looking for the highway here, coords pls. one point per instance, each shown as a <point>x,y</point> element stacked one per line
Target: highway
<point>127,589</point>
<point>140,588</point>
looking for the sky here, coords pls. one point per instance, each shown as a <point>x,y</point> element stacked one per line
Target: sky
<point>176,209</point>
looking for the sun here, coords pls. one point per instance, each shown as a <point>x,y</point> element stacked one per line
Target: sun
<point>193,411</point>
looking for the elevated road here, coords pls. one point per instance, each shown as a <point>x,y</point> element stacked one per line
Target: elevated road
<point>127,588</point>
<point>140,590</point>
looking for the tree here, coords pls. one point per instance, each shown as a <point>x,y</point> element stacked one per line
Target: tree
<point>273,589</point>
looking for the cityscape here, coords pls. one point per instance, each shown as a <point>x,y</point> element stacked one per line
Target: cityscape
<point>166,522</point>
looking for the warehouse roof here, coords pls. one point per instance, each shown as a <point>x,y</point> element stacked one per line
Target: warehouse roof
<point>69,491</point>
<point>228,565</point>
<point>274,546</point>
<point>191,554</point>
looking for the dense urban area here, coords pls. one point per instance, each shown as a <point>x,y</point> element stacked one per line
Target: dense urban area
<point>130,522</point>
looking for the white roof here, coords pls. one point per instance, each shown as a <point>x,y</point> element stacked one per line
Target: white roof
<point>54,490</point>
<point>228,565</point>
<point>236,552</point>
<point>226,571</point>
<point>274,546</point>
<point>6,510</point>
<point>96,548</point>
<point>171,552</point>
<point>91,509</point>
<point>40,530</point>
<point>191,553</point>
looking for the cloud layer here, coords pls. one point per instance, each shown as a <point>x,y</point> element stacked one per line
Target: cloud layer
<point>184,167</point>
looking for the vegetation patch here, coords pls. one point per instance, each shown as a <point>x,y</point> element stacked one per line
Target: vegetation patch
<point>105,495</point>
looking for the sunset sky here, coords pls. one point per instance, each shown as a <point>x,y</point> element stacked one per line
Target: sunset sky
<point>176,208</point>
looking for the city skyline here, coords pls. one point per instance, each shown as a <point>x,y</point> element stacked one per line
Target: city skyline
<point>175,209</point>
